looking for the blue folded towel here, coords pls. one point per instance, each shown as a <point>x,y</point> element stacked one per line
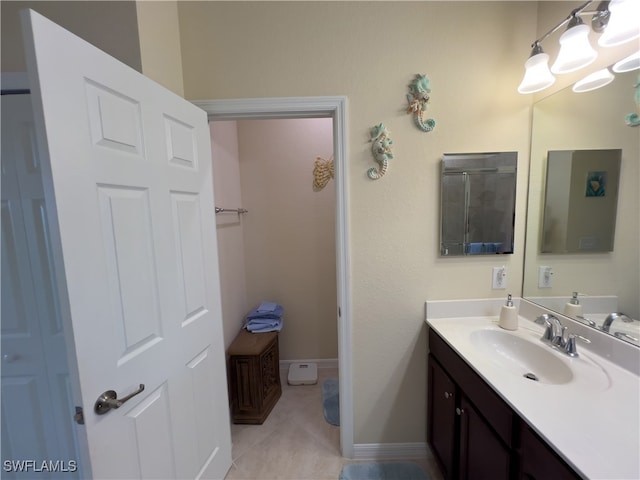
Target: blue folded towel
<point>263,321</point>
<point>260,327</point>
<point>257,313</point>
<point>267,307</point>
<point>267,317</point>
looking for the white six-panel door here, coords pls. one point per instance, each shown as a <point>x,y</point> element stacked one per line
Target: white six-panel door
<point>129,173</point>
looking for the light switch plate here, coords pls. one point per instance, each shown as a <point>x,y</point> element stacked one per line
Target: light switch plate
<point>545,277</point>
<point>499,278</point>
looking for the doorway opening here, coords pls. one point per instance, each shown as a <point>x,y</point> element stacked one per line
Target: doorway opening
<point>315,107</point>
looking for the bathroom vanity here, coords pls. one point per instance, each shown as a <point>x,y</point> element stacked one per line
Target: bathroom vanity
<point>488,439</point>
<point>504,405</point>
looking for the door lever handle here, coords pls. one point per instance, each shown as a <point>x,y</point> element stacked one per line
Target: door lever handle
<point>109,400</point>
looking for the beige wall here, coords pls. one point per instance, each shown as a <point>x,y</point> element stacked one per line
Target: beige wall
<point>474,53</point>
<point>110,26</point>
<point>160,43</point>
<point>229,226</point>
<point>289,232</point>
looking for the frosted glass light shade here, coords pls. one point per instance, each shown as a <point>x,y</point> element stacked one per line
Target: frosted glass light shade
<point>624,23</point>
<point>632,62</point>
<point>575,50</point>
<point>537,76</point>
<point>593,81</point>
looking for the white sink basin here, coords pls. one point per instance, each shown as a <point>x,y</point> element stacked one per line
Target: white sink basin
<point>522,357</point>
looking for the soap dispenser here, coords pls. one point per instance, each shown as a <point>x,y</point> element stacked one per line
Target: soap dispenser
<point>573,308</point>
<point>508,316</point>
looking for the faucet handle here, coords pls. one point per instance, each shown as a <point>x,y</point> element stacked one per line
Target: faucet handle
<point>559,337</point>
<point>570,346</point>
<point>550,328</point>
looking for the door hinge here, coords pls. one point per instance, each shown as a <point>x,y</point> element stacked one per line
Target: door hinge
<point>79,416</point>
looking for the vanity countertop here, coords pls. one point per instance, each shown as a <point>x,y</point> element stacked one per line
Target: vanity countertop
<point>593,421</point>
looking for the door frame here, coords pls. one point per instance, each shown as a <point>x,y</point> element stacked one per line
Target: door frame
<point>334,107</point>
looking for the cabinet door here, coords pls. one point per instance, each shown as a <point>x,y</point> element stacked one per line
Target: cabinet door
<point>482,453</point>
<point>539,462</point>
<point>441,417</point>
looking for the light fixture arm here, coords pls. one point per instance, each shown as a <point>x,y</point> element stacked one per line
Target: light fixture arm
<point>574,17</point>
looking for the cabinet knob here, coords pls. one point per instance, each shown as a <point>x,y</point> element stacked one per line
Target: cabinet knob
<point>448,395</point>
<point>460,411</point>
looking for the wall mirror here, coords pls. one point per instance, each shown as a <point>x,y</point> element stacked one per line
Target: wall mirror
<point>607,281</point>
<point>581,199</point>
<point>477,203</point>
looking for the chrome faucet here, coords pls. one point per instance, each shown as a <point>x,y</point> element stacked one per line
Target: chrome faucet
<point>554,331</point>
<point>555,335</point>
<point>585,320</point>
<point>606,325</point>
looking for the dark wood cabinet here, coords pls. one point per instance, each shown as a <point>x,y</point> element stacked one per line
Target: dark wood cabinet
<point>254,376</point>
<point>473,433</point>
<point>482,454</point>
<point>442,417</point>
<point>539,462</point>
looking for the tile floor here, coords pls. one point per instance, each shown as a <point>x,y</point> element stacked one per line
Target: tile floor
<point>295,442</point>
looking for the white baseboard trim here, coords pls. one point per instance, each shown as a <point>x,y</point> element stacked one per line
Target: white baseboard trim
<point>322,363</point>
<point>389,451</point>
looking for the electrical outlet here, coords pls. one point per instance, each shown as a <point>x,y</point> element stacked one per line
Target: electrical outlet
<point>499,278</point>
<point>545,277</point>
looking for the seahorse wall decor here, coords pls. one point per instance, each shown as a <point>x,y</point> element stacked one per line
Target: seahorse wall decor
<point>418,99</point>
<point>381,150</point>
<point>633,119</point>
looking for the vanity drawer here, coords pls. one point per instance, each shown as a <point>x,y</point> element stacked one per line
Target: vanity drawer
<point>488,403</point>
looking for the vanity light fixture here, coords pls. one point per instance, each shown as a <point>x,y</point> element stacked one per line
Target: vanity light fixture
<point>632,62</point>
<point>575,50</point>
<point>616,20</point>
<point>593,81</point>
<point>624,24</point>
<point>537,75</point>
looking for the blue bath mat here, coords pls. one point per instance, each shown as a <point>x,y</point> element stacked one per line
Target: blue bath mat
<point>330,401</point>
<point>383,471</point>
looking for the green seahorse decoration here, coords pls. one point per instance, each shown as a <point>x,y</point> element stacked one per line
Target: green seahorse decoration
<point>381,150</point>
<point>418,99</point>
<point>633,119</point>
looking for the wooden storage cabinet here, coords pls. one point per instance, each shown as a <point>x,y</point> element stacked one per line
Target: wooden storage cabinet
<point>254,376</point>
<point>473,433</point>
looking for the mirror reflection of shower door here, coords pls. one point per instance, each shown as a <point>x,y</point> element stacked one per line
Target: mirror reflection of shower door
<point>490,212</point>
<point>454,214</point>
<point>37,411</point>
<point>478,203</point>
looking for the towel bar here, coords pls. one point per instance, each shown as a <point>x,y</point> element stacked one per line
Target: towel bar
<point>235,210</point>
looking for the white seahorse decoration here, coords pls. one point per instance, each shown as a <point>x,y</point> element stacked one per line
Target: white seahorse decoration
<point>381,150</point>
